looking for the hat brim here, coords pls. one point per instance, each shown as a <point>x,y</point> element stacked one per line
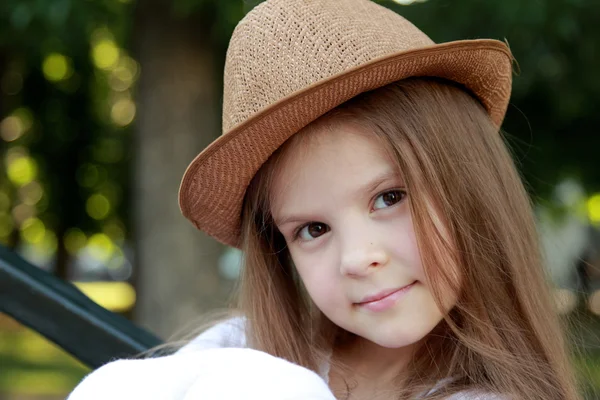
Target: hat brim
<point>214,184</point>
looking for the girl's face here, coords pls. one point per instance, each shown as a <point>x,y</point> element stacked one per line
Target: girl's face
<point>343,209</point>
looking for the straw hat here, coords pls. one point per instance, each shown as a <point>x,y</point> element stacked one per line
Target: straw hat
<point>291,61</point>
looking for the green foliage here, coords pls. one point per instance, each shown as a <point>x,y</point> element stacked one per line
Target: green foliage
<point>27,23</point>
<point>220,16</point>
<point>51,75</point>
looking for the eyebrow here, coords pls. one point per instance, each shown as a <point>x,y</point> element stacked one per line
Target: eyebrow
<point>379,180</point>
<point>369,187</point>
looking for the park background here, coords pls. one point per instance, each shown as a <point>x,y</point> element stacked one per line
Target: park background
<point>103,103</point>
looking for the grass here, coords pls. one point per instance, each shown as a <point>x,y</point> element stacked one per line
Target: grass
<point>33,366</point>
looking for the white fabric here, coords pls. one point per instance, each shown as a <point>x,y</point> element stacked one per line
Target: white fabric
<point>214,366</point>
<point>229,333</point>
<point>210,374</point>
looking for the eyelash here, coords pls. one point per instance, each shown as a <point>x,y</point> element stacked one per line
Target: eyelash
<point>403,194</point>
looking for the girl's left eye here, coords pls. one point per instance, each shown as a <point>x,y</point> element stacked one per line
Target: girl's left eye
<point>311,231</point>
<point>388,199</point>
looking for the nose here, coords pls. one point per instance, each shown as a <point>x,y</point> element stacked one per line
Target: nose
<point>361,254</point>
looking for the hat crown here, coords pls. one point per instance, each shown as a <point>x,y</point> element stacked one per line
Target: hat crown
<point>283,46</point>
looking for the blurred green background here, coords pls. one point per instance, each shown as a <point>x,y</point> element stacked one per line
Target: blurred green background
<point>103,103</point>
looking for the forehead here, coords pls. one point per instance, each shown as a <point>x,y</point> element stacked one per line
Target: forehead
<point>330,161</point>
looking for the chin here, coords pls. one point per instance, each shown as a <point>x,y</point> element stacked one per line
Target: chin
<point>396,338</point>
<point>396,342</point>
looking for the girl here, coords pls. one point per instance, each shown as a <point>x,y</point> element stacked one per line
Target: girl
<point>389,244</point>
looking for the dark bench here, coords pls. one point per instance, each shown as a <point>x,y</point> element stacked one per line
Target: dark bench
<point>60,312</point>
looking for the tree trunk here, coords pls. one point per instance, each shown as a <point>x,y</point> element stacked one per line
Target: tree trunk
<point>178,115</point>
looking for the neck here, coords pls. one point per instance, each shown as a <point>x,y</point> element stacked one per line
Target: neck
<point>368,364</point>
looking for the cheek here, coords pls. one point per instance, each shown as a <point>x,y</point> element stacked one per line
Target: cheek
<point>320,277</point>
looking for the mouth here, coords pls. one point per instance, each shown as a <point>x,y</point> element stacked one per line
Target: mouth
<point>384,299</point>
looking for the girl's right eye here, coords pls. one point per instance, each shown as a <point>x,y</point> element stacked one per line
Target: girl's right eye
<point>312,231</point>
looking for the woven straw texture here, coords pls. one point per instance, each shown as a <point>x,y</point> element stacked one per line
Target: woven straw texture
<point>291,61</point>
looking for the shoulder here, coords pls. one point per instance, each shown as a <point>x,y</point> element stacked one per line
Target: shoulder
<point>151,378</point>
<point>230,333</point>
<point>238,373</point>
<point>206,374</point>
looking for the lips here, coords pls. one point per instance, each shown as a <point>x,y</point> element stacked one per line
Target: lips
<point>384,299</point>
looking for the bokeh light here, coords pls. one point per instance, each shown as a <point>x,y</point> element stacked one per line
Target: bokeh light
<point>594,302</point>
<point>16,124</point>
<point>115,296</point>
<point>124,74</point>
<point>90,175</point>
<point>33,230</point>
<point>593,208</point>
<point>116,263</point>
<point>22,212</point>
<point>21,170</point>
<point>56,67</point>
<point>100,247</point>
<point>31,193</point>
<point>74,240</point>
<point>98,206</point>
<point>105,53</point>
<point>11,128</point>
<point>114,229</point>
<point>565,301</point>
<point>123,112</point>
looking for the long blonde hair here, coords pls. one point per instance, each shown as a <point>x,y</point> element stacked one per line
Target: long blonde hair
<point>503,335</point>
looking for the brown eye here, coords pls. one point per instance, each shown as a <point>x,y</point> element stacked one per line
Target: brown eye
<point>312,231</point>
<point>388,199</point>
